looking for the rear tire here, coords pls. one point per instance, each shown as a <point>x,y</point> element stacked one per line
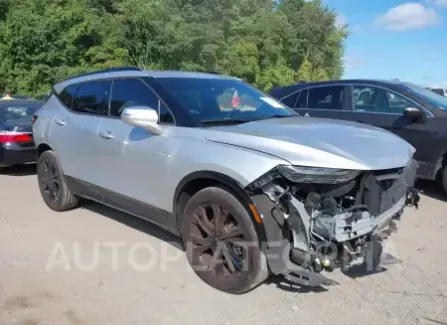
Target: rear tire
<point>52,184</point>
<point>221,242</point>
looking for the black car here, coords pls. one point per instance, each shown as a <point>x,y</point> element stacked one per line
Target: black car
<point>16,134</point>
<point>416,114</point>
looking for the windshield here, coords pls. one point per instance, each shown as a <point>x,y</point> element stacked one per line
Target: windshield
<point>427,95</point>
<point>217,101</point>
<point>13,113</point>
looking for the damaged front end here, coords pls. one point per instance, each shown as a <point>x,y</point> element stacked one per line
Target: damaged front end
<point>320,219</point>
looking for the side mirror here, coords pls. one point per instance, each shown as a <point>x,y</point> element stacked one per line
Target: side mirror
<point>142,116</point>
<point>414,113</point>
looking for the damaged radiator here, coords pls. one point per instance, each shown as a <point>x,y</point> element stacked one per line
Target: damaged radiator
<point>381,190</point>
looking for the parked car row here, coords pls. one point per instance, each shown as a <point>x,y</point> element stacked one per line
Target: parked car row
<point>250,186</point>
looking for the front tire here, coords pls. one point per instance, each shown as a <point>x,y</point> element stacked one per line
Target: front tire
<point>52,184</point>
<point>444,179</point>
<point>222,243</point>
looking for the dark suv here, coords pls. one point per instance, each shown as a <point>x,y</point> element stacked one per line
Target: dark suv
<point>416,114</point>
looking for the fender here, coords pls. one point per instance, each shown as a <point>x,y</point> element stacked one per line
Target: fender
<point>221,179</point>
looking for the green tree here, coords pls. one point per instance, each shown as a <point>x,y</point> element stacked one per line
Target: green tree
<point>264,42</point>
<point>44,41</point>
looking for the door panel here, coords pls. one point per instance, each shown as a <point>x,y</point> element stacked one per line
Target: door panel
<point>134,162</point>
<point>74,130</point>
<point>74,138</point>
<point>418,135</point>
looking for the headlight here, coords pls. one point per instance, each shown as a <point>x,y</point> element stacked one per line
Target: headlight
<point>317,175</point>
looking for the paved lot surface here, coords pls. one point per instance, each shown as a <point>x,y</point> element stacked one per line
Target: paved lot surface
<point>48,274</point>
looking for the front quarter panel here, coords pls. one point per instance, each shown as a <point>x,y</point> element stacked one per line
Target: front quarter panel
<point>190,154</point>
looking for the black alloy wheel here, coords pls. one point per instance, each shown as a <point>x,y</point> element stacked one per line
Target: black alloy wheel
<point>221,242</point>
<point>218,240</point>
<point>52,184</point>
<point>49,181</point>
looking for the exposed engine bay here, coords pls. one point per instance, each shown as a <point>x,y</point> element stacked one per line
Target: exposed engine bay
<point>321,219</point>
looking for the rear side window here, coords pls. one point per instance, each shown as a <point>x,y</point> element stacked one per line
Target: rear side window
<point>134,92</point>
<point>93,98</point>
<point>330,97</point>
<point>67,95</point>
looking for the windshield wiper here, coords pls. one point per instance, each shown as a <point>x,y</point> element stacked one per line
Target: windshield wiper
<point>275,116</point>
<point>234,121</point>
<point>225,121</point>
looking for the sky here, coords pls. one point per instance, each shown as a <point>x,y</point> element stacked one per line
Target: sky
<point>395,39</point>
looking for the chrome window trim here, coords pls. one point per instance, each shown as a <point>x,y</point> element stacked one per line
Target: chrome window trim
<point>311,87</point>
<point>307,99</point>
<point>417,105</point>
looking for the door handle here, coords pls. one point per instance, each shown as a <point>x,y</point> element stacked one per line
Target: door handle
<point>60,122</point>
<point>106,135</point>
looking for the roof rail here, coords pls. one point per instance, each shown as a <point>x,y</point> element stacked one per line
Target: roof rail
<point>104,71</point>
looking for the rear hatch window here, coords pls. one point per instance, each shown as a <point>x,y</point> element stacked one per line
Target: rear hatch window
<point>19,114</point>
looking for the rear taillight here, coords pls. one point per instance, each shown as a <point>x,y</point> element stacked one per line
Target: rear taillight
<point>16,137</point>
<point>34,118</point>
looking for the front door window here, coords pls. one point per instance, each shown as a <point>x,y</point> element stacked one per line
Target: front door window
<point>378,100</point>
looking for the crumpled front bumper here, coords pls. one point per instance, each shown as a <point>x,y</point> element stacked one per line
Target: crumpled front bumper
<point>283,251</point>
<point>278,248</point>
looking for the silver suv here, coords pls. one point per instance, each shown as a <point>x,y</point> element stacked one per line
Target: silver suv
<point>251,187</point>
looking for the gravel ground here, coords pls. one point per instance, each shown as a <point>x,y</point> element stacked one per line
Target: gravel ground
<point>48,273</point>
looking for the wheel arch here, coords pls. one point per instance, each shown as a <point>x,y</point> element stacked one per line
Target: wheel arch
<point>440,165</point>
<point>199,180</point>
<point>41,148</point>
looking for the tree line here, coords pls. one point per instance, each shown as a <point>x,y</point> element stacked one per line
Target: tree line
<point>265,42</point>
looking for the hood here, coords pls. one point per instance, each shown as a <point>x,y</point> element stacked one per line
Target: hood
<point>318,142</point>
